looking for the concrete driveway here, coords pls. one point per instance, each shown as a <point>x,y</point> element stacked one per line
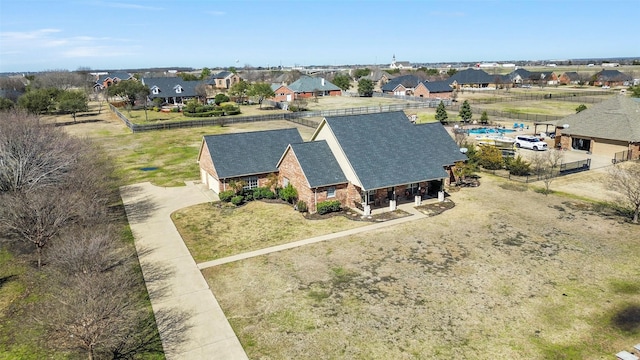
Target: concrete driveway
<point>190,321</point>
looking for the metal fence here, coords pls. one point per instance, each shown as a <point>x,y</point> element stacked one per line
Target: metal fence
<point>564,169</point>
<point>295,117</point>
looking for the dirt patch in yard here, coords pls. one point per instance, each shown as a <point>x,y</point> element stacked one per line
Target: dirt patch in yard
<point>503,274</point>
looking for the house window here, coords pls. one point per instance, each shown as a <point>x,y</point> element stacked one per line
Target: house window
<point>285,181</point>
<point>178,90</point>
<point>331,192</point>
<point>155,90</point>
<point>413,188</point>
<point>250,182</point>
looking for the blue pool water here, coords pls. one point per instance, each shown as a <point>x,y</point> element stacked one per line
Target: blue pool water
<point>484,130</point>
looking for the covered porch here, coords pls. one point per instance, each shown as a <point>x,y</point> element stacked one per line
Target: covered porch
<point>389,198</point>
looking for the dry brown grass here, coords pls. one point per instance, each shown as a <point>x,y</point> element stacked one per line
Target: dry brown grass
<point>211,232</point>
<point>506,274</point>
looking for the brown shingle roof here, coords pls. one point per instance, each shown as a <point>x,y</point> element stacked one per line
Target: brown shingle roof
<point>616,119</point>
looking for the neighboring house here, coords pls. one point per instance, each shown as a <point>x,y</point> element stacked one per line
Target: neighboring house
<point>401,65</point>
<point>434,90</point>
<point>523,76</point>
<point>394,158</point>
<point>249,157</point>
<point>473,78</point>
<point>607,128</point>
<point>378,77</point>
<point>223,80</point>
<point>401,85</point>
<point>104,81</point>
<point>306,87</point>
<point>611,78</point>
<point>172,90</point>
<point>570,78</point>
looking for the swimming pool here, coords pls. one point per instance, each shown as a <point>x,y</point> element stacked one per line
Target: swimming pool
<point>485,130</point>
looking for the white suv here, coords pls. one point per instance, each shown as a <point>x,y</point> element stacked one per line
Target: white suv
<point>530,142</point>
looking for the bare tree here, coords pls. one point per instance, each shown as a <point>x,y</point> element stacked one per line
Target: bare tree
<point>59,79</point>
<point>36,216</point>
<point>545,166</point>
<point>32,155</point>
<point>624,178</point>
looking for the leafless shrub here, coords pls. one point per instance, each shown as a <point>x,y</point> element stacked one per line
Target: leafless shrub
<point>624,178</point>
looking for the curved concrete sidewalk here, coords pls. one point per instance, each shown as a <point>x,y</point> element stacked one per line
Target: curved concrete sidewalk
<point>208,333</point>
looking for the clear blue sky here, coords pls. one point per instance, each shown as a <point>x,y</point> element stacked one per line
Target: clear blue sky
<point>40,35</point>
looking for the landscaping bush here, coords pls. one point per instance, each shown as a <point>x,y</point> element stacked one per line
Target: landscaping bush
<point>288,194</point>
<point>518,166</point>
<point>263,193</point>
<point>328,206</point>
<point>237,200</point>
<point>301,206</point>
<point>225,196</point>
<point>491,158</point>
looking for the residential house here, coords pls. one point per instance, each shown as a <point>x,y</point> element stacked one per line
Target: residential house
<point>173,90</point>
<point>607,128</point>
<point>363,161</point>
<point>522,76</point>
<point>474,78</point>
<point>378,77</point>
<point>570,78</point>
<point>104,81</point>
<point>249,157</point>
<point>383,156</point>
<point>611,78</point>
<point>401,85</point>
<point>223,80</point>
<point>306,87</point>
<point>434,90</point>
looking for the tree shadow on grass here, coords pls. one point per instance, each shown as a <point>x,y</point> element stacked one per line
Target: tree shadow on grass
<point>627,318</point>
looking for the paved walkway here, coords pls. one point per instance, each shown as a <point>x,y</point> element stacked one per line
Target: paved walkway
<point>159,245</point>
<point>409,207</point>
<point>208,334</point>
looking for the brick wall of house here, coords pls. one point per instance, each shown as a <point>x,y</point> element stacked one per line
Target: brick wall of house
<point>281,94</point>
<point>635,150</point>
<point>291,170</point>
<point>206,163</point>
<point>565,142</point>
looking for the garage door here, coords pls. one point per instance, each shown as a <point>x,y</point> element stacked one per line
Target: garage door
<point>608,147</point>
<point>213,183</point>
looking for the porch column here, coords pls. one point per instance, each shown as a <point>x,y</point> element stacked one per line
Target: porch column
<point>366,207</point>
<point>393,205</point>
<point>441,192</point>
<point>418,200</point>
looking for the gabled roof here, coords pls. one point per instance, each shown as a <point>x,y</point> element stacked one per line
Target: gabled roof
<point>249,153</point>
<point>471,76</point>
<point>318,164</point>
<point>616,119</point>
<point>612,75</point>
<point>311,84</point>
<point>386,149</point>
<point>375,75</point>
<point>116,75</point>
<point>572,75</point>
<point>221,75</point>
<point>438,86</point>
<point>167,86</point>
<point>408,81</point>
<point>523,73</point>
